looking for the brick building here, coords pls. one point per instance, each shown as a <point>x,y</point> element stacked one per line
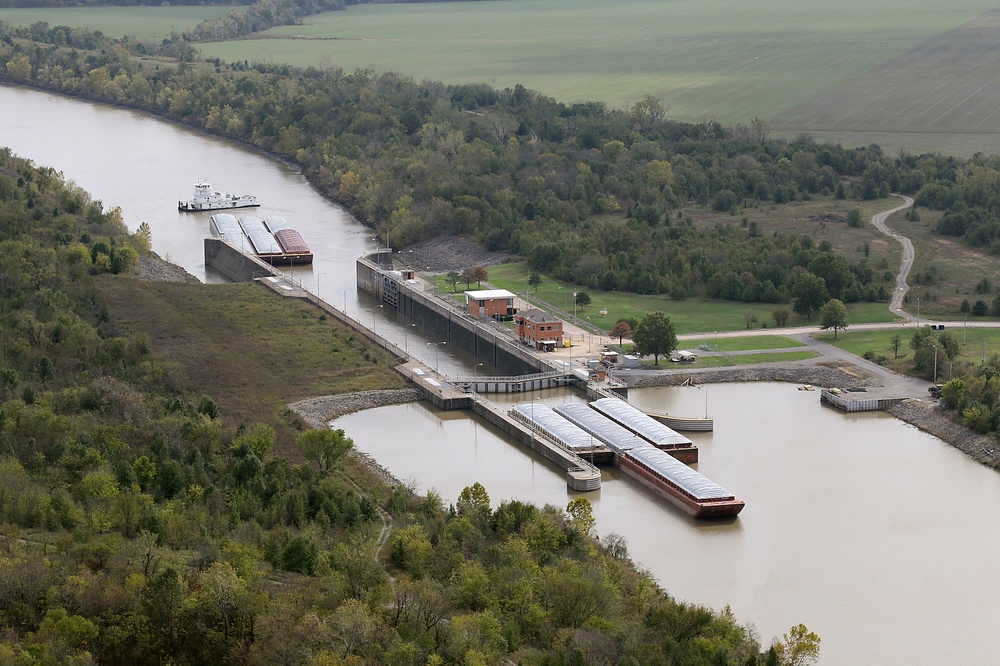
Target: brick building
<point>538,328</point>
<point>489,303</point>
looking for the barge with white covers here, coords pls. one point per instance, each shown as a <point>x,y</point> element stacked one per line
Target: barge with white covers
<point>544,420</point>
<point>654,468</point>
<point>205,198</point>
<point>640,423</point>
<point>285,247</point>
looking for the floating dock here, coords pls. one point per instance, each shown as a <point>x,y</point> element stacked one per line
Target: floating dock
<point>847,401</point>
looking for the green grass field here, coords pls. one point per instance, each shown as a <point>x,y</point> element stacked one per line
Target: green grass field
<point>977,341</point>
<point>689,316</point>
<point>726,60</point>
<point>753,342</point>
<point>748,359</point>
<point>151,23</point>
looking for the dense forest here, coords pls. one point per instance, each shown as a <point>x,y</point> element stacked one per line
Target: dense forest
<point>138,526</point>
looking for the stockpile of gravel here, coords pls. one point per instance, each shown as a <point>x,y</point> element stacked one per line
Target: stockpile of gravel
<point>448,253</point>
<point>318,411</point>
<point>155,269</point>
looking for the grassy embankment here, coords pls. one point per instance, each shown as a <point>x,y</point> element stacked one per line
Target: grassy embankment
<point>252,351</point>
<point>731,61</point>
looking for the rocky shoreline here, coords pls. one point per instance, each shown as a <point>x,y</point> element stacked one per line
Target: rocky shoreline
<point>841,375</point>
<point>317,412</point>
<point>935,421</point>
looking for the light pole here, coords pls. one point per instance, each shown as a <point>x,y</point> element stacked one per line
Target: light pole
<point>475,382</point>
<point>317,283</point>
<point>406,338</point>
<point>918,313</point>
<point>437,352</point>
<point>935,364</point>
<point>374,318</point>
<point>345,299</point>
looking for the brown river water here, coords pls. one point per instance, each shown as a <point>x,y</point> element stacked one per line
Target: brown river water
<point>875,535</point>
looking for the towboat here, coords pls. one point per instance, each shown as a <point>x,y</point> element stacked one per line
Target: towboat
<point>207,199</point>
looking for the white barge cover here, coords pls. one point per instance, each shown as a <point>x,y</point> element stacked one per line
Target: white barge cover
<point>617,438</point>
<point>276,223</point>
<point>678,473</point>
<point>641,424</point>
<point>555,426</point>
<point>225,226</point>
<point>263,242</point>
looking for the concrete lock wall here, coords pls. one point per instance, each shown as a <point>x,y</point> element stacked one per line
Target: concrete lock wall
<point>480,340</point>
<point>234,264</point>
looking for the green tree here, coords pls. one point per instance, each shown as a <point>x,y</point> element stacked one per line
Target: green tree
<point>809,294</point>
<point>534,280</point>
<point>780,316</point>
<point>454,277</point>
<point>895,342</point>
<point>473,500</point>
<point>582,298</point>
<point>581,515</point>
<point>798,647</point>
<point>475,274</point>
<point>655,335</point>
<point>854,218</point>
<point>621,330</point>
<point>324,446</point>
<point>833,315</point>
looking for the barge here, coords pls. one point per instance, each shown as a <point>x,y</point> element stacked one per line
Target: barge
<point>657,469</point>
<point>207,199</point>
<point>643,425</point>
<point>285,247</point>
<point>542,419</point>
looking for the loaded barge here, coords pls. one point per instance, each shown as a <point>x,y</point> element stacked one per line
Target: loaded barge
<point>206,199</point>
<point>541,418</point>
<point>653,467</point>
<point>272,240</point>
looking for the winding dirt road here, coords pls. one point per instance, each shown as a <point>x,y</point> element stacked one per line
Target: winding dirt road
<point>906,263</point>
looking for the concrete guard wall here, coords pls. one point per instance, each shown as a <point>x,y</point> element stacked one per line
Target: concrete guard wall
<point>234,264</point>
<point>580,476</point>
<point>483,342</point>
